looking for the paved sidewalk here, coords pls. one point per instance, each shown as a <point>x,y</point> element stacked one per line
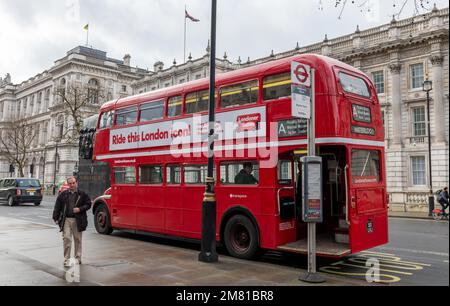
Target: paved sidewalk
<point>31,254</point>
<point>410,215</point>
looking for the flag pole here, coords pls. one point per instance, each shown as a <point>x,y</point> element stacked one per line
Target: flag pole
<point>87,35</point>
<point>185,26</point>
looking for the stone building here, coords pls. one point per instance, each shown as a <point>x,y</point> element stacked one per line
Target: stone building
<point>51,159</point>
<point>179,74</point>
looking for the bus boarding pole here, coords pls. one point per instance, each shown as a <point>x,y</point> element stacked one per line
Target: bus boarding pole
<point>311,276</point>
<point>209,253</point>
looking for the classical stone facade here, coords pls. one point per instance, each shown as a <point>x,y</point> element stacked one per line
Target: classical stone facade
<point>398,56</point>
<point>35,100</point>
<point>179,74</point>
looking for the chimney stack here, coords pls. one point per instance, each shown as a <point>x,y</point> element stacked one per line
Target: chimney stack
<point>127,60</point>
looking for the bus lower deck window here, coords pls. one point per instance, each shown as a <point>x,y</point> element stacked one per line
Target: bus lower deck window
<point>239,173</point>
<point>125,175</point>
<point>150,175</point>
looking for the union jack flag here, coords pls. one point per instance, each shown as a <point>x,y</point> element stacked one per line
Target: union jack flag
<point>190,17</point>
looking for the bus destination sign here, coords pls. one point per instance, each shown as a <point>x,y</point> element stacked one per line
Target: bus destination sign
<point>292,128</point>
<point>362,114</point>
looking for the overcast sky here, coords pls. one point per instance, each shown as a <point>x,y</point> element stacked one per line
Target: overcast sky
<point>33,34</point>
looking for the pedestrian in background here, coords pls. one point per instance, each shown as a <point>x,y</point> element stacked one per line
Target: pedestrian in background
<point>443,200</point>
<point>70,214</point>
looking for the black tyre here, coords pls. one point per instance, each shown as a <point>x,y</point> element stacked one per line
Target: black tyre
<point>241,238</point>
<point>37,204</point>
<point>11,201</point>
<point>102,220</point>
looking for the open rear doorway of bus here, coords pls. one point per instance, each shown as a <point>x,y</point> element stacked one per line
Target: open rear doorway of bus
<point>333,237</point>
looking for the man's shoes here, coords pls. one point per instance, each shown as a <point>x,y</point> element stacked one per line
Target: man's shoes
<point>78,261</point>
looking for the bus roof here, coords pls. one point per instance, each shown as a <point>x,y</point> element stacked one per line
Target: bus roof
<point>317,61</point>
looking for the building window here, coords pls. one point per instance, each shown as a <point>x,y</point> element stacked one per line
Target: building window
<point>93,91</point>
<point>417,76</point>
<point>124,88</point>
<point>378,80</point>
<point>418,171</point>
<point>419,122</point>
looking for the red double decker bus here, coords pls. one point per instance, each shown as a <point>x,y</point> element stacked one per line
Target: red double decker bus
<point>155,145</point>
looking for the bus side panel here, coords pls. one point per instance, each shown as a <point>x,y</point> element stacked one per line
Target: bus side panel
<point>192,210</point>
<point>173,201</point>
<point>150,208</point>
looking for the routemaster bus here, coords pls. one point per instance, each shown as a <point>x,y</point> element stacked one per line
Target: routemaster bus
<point>155,145</point>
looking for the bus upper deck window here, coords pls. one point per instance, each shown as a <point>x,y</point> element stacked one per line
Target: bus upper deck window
<point>152,111</point>
<point>127,116</point>
<point>277,87</point>
<point>197,102</point>
<point>175,106</point>
<point>239,94</point>
<point>354,85</point>
<point>106,120</point>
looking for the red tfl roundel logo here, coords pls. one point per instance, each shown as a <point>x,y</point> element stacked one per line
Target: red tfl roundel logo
<point>301,74</point>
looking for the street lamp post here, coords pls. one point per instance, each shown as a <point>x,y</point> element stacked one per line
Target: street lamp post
<point>209,253</point>
<point>427,87</point>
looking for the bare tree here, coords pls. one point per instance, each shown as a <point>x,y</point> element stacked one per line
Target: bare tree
<point>15,143</point>
<point>78,100</point>
<point>397,5</point>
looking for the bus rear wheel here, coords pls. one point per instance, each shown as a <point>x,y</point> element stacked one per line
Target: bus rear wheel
<point>103,221</point>
<point>241,238</point>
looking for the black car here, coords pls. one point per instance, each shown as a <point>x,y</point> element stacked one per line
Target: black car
<point>16,191</point>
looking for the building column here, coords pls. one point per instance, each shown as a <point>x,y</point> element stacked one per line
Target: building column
<point>395,70</point>
<point>438,97</point>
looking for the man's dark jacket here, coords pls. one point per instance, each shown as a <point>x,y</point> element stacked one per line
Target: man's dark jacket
<point>83,202</point>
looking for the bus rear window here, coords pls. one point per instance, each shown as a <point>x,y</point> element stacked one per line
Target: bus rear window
<point>365,166</point>
<point>239,94</point>
<point>277,87</point>
<point>354,85</point>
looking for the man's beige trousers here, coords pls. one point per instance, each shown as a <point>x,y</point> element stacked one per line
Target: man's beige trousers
<point>71,230</point>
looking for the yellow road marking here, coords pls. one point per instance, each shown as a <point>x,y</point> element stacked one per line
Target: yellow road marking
<point>400,265</point>
<point>393,279</point>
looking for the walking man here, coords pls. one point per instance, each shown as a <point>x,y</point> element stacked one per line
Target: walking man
<point>70,214</point>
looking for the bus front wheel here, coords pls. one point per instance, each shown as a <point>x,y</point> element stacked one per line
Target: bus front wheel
<point>103,221</point>
<point>241,238</point>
